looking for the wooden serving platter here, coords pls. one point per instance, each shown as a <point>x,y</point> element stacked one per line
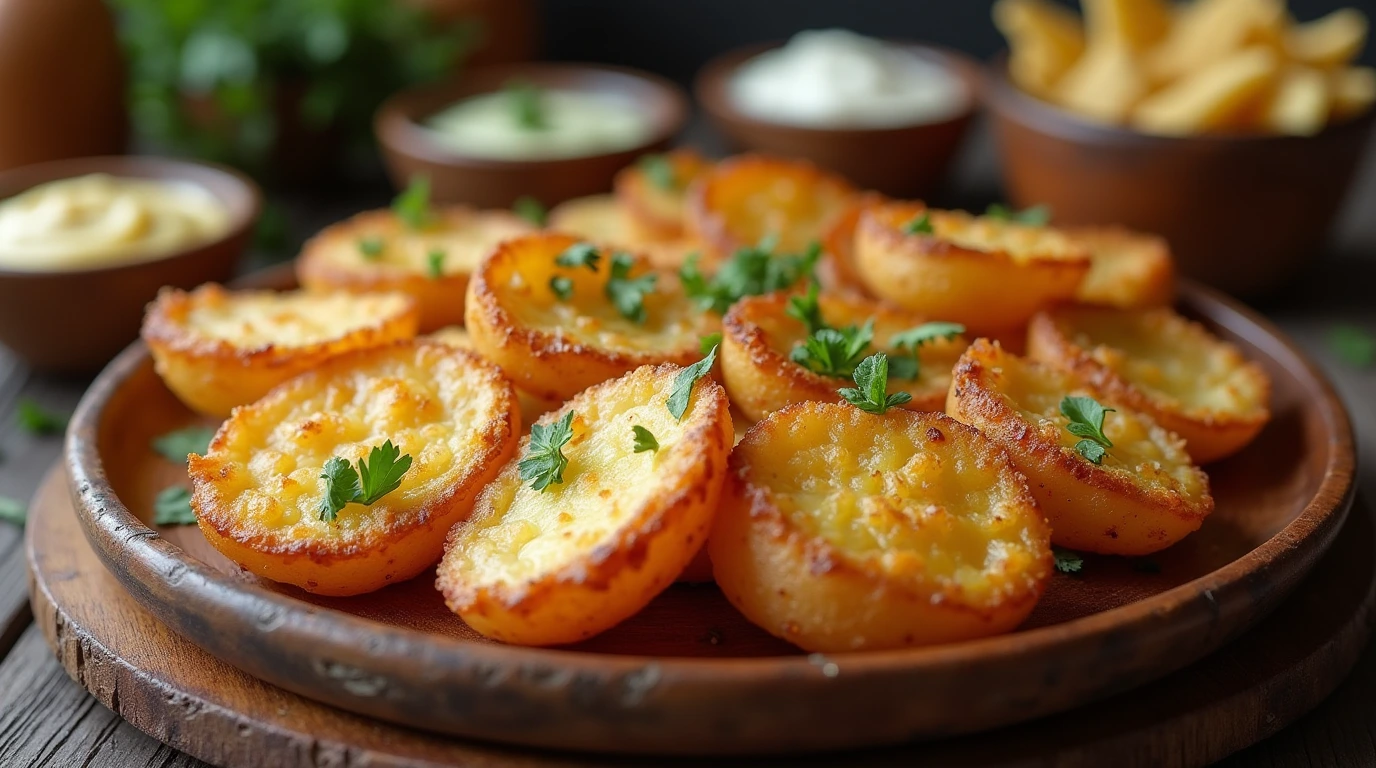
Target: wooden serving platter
<point>176,692</point>
<point>689,675</point>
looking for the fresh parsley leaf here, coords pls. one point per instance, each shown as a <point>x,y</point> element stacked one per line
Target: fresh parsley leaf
<point>627,294</point>
<point>806,309</point>
<point>921,224</point>
<point>176,445</point>
<point>527,104</point>
<point>1087,420</point>
<point>1036,216</point>
<point>412,206</point>
<point>376,476</point>
<point>751,271</point>
<point>579,255</point>
<point>545,461</point>
<point>708,342</point>
<point>684,381</point>
<point>434,263</point>
<point>13,511</point>
<point>531,210</point>
<point>659,170</point>
<point>909,367</point>
<point>1353,345</point>
<point>37,420</point>
<point>172,506</point>
<point>644,439</point>
<point>561,286</point>
<point>835,351</point>
<point>1067,561</point>
<point>370,248</point>
<point>904,367</point>
<point>870,393</point>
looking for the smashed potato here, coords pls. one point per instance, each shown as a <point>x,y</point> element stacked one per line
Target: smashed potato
<point>986,273</point>
<point>376,251</point>
<point>258,490</point>
<point>1157,362</point>
<point>217,349</point>
<point>741,201</point>
<point>1145,495</point>
<point>603,219</point>
<point>554,348</point>
<point>1126,269</point>
<point>837,271</point>
<point>844,531</point>
<point>758,336</point>
<point>563,564</point>
<point>653,192</point>
<point>532,407</point>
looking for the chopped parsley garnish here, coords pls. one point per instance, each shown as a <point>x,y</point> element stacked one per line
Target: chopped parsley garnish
<point>1087,420</point>
<point>434,263</point>
<point>684,381</point>
<point>921,224</point>
<point>908,367</point>
<point>1067,561</point>
<point>1036,216</point>
<point>870,393</point>
<point>172,506</point>
<point>628,293</point>
<point>644,439</point>
<point>370,247</point>
<point>835,351</point>
<point>376,476</point>
<point>806,309</point>
<point>751,271</point>
<point>561,286</point>
<point>412,206</point>
<point>176,445</point>
<point>708,342</point>
<point>13,511</point>
<point>1353,345</point>
<point>527,102</point>
<point>37,420</point>
<point>544,462</point>
<point>531,210</point>
<point>579,255</point>
<point>659,170</point>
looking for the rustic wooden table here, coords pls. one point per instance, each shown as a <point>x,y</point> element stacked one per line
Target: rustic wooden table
<point>46,719</point>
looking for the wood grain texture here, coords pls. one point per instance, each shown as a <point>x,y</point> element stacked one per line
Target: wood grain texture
<point>178,693</point>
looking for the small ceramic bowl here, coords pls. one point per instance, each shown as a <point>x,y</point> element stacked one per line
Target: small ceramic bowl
<point>1244,213</point>
<point>409,148</point>
<point>907,161</point>
<point>75,321</point>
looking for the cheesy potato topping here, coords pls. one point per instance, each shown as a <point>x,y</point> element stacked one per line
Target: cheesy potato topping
<point>1020,242</point>
<point>251,320</point>
<point>1126,269</point>
<point>462,234</point>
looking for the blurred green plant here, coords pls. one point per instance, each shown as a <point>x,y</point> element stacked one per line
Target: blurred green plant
<point>221,79</point>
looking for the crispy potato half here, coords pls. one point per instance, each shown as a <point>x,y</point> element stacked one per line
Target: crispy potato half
<point>554,348</point>
<point>1145,495</point>
<point>742,200</point>
<point>376,251</point>
<point>563,564</point>
<point>837,270</point>
<point>605,219</point>
<point>988,274</point>
<point>532,407</point>
<point>258,490</point>
<point>217,349</point>
<point>1127,269</point>
<point>758,337</point>
<point>1157,362</point>
<point>844,531</point>
<point>653,193</point>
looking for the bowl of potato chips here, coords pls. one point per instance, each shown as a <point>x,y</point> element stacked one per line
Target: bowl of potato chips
<point>1224,125</point>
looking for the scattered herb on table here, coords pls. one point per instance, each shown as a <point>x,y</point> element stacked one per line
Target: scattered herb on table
<point>545,462</point>
<point>682,390</point>
<point>376,476</point>
<point>13,511</point>
<point>1353,345</point>
<point>644,439</point>
<point>37,420</point>
<point>870,393</point>
<point>172,506</point>
<point>1087,421</point>
<point>1067,561</point>
<point>176,445</point>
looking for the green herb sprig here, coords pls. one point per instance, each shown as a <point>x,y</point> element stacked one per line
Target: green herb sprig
<point>921,224</point>
<point>870,393</point>
<point>37,420</point>
<point>376,476</point>
<point>806,308</point>
<point>644,439</point>
<point>751,271</point>
<point>412,206</point>
<point>531,210</point>
<point>628,293</point>
<point>659,170</point>
<point>545,462</point>
<point>172,506</point>
<point>434,263</point>
<point>835,351</point>
<point>1035,216</point>
<point>1067,561</point>
<point>1087,421</point>
<point>1353,345</point>
<point>176,445</point>
<point>527,102</point>
<point>370,248</point>
<point>682,390</point>
<point>909,366</point>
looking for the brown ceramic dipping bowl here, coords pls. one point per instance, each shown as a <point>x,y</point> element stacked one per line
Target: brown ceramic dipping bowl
<point>1242,212</point>
<point>410,149</point>
<point>74,321</point>
<point>907,161</point>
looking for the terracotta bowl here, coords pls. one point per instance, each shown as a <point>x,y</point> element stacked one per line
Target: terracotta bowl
<point>410,149</point>
<point>907,161</point>
<point>1244,213</point>
<point>74,321</point>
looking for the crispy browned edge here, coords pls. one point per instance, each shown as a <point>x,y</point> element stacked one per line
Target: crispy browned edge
<point>876,222</point>
<point>710,227</point>
<point>164,326</point>
<point>972,388</point>
<point>201,468</point>
<point>1163,271</point>
<point>823,557</point>
<point>630,188</point>
<point>1069,356</point>
<point>838,245</point>
<point>629,544</point>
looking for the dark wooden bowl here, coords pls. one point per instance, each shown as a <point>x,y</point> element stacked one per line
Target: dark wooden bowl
<point>688,674</point>
<point>907,161</point>
<point>1244,213</point>
<point>409,149</point>
<point>75,321</point>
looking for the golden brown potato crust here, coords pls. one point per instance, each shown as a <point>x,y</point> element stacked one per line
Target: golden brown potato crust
<point>1128,270</point>
<point>655,213</point>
